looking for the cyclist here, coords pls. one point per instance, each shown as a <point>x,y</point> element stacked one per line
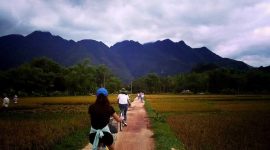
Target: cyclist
<point>15,99</point>
<point>142,97</point>
<point>123,101</point>
<point>100,113</point>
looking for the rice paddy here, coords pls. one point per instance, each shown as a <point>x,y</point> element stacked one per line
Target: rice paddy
<point>43,122</point>
<point>198,121</point>
<point>216,121</point>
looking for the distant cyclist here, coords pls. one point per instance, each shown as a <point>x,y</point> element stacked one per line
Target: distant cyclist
<point>123,101</point>
<point>100,113</point>
<point>15,99</point>
<point>142,97</point>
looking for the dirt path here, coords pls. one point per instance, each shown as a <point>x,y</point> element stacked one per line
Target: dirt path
<point>137,135</point>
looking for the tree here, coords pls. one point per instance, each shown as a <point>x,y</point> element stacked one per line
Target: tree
<point>80,78</point>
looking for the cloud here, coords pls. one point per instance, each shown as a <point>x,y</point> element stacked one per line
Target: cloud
<point>255,59</point>
<point>235,29</point>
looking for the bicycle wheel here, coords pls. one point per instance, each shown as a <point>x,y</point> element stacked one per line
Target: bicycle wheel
<point>121,122</point>
<point>102,147</point>
<point>120,125</point>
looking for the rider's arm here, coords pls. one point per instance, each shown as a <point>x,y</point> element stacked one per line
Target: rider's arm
<point>128,99</point>
<point>129,103</point>
<point>116,117</point>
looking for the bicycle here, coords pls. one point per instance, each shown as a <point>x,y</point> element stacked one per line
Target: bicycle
<point>113,128</point>
<point>121,124</point>
<point>101,146</point>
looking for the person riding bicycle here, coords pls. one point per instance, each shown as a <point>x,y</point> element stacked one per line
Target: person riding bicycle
<point>100,113</point>
<point>123,101</point>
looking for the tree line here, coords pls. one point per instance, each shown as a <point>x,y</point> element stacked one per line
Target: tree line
<point>208,78</point>
<point>44,77</point>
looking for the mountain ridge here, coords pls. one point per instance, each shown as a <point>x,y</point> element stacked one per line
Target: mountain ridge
<point>128,59</point>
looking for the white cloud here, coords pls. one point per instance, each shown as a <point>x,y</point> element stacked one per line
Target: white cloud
<point>256,60</point>
<point>230,28</point>
<point>263,32</point>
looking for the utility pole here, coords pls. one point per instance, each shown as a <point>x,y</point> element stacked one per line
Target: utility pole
<point>131,87</point>
<point>104,79</point>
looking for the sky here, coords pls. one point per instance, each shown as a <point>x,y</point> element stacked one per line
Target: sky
<point>237,29</point>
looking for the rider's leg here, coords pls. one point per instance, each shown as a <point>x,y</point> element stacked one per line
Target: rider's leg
<point>121,109</point>
<point>125,111</point>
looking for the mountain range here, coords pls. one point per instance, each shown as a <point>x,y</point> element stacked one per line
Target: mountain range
<point>127,59</point>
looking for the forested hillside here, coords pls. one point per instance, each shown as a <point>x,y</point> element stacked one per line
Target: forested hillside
<point>208,78</point>
<point>44,77</point>
<point>126,59</point>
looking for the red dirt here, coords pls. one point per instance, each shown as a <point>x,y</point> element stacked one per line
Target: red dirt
<point>137,135</point>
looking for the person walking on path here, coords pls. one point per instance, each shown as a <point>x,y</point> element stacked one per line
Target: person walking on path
<point>100,113</point>
<point>6,102</point>
<point>124,102</point>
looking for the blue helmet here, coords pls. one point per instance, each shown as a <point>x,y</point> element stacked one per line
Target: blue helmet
<point>102,91</point>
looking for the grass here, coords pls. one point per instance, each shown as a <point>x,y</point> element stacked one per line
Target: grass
<point>222,131</point>
<point>164,137</point>
<point>213,121</point>
<point>47,122</point>
<point>77,140</point>
<point>181,122</point>
<point>38,130</point>
<point>66,100</point>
